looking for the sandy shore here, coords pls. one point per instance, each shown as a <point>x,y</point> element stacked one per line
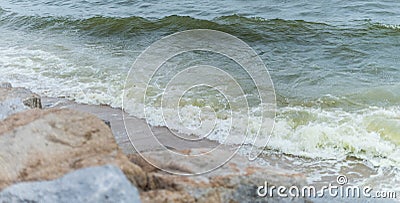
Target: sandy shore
<point>274,166</point>
<point>316,169</point>
<point>136,127</point>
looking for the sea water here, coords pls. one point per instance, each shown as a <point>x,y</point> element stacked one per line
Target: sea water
<point>335,68</point>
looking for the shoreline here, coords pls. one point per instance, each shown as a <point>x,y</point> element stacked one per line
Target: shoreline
<point>269,159</point>
<point>114,116</point>
<point>307,171</point>
<point>65,136</point>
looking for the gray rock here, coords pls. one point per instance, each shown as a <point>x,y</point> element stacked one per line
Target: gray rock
<point>33,101</point>
<point>236,181</point>
<point>95,184</point>
<point>5,85</point>
<point>10,106</point>
<point>40,145</point>
<point>108,123</point>
<point>14,100</point>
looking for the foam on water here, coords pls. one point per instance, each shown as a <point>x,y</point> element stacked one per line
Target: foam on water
<point>337,134</point>
<point>62,70</point>
<point>369,134</point>
<point>388,26</point>
<point>321,142</point>
<point>86,59</point>
<point>315,131</point>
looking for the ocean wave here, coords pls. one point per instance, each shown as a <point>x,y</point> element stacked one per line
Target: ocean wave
<point>330,126</point>
<point>326,127</point>
<point>252,29</point>
<point>386,26</point>
<point>369,134</point>
<point>379,96</point>
<point>105,26</point>
<point>323,129</point>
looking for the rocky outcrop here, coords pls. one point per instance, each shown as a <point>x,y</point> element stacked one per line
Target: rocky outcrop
<point>13,100</point>
<point>236,181</point>
<point>95,184</point>
<point>46,144</point>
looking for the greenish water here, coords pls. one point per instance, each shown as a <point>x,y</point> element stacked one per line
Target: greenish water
<point>335,65</point>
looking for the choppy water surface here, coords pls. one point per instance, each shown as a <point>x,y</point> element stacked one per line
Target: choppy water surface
<point>335,67</point>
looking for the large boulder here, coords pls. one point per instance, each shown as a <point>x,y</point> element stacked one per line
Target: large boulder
<point>13,100</point>
<point>46,144</point>
<point>236,181</point>
<point>96,184</point>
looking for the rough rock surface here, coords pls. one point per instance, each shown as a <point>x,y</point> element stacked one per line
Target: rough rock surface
<point>5,85</point>
<point>13,100</point>
<point>236,181</point>
<point>40,145</point>
<point>96,184</point>
<point>46,144</point>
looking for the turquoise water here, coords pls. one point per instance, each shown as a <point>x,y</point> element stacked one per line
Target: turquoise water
<point>335,66</point>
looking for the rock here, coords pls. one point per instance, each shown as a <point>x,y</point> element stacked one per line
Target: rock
<point>5,85</point>
<point>33,101</point>
<point>13,100</point>
<point>46,144</point>
<point>108,123</point>
<point>96,184</point>
<point>167,195</point>
<point>40,145</point>
<point>236,181</point>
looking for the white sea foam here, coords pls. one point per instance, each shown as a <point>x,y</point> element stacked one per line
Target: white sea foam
<point>389,26</point>
<point>370,134</point>
<point>62,73</point>
<point>336,134</point>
